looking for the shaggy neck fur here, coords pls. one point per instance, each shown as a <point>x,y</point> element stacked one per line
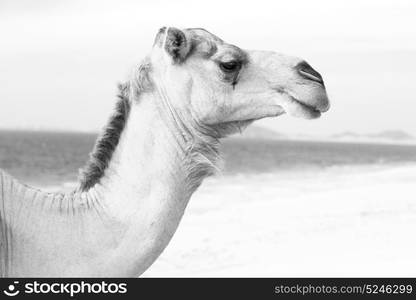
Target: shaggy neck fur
<point>106,143</point>
<point>198,144</point>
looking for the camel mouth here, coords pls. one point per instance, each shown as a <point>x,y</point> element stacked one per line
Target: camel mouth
<point>310,110</point>
<point>310,107</point>
<point>298,108</point>
<point>314,102</point>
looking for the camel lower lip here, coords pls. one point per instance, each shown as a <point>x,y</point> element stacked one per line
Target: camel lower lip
<point>308,107</point>
<point>312,110</point>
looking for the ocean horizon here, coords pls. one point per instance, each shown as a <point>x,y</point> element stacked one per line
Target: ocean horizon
<point>48,158</point>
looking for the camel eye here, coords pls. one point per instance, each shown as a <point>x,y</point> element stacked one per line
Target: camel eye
<point>230,66</point>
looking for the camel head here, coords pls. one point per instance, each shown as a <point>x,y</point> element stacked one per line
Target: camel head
<point>212,83</point>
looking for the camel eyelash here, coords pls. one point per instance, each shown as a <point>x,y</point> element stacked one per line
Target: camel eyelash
<point>230,71</point>
<point>230,66</point>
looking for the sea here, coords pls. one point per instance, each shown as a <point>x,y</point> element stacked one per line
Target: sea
<point>50,158</point>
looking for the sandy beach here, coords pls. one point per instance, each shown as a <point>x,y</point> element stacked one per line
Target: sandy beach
<point>340,221</point>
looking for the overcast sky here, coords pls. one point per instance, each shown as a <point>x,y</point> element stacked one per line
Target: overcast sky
<point>60,60</point>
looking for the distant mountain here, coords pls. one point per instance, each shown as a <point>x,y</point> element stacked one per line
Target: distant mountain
<point>256,132</point>
<point>392,135</point>
<point>346,134</point>
<point>386,136</point>
<point>382,136</point>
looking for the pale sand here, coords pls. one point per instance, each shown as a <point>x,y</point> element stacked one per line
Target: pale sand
<point>338,222</point>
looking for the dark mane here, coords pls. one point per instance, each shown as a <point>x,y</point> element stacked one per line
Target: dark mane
<point>106,142</point>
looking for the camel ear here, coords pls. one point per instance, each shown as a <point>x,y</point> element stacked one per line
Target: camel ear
<point>176,44</point>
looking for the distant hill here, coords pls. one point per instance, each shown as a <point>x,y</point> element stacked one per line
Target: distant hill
<point>392,135</point>
<point>256,132</point>
<point>346,134</point>
<point>386,136</point>
<point>382,136</point>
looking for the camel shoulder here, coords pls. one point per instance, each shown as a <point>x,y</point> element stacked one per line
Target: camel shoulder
<point>11,186</point>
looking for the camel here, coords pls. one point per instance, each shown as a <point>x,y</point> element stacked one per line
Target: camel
<point>192,90</point>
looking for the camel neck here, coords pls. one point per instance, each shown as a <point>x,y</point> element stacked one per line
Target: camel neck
<point>148,182</point>
<point>149,157</point>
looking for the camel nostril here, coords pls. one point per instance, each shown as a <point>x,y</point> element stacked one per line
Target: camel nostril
<point>306,71</point>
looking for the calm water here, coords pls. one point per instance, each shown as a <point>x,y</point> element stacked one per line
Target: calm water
<point>50,158</point>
